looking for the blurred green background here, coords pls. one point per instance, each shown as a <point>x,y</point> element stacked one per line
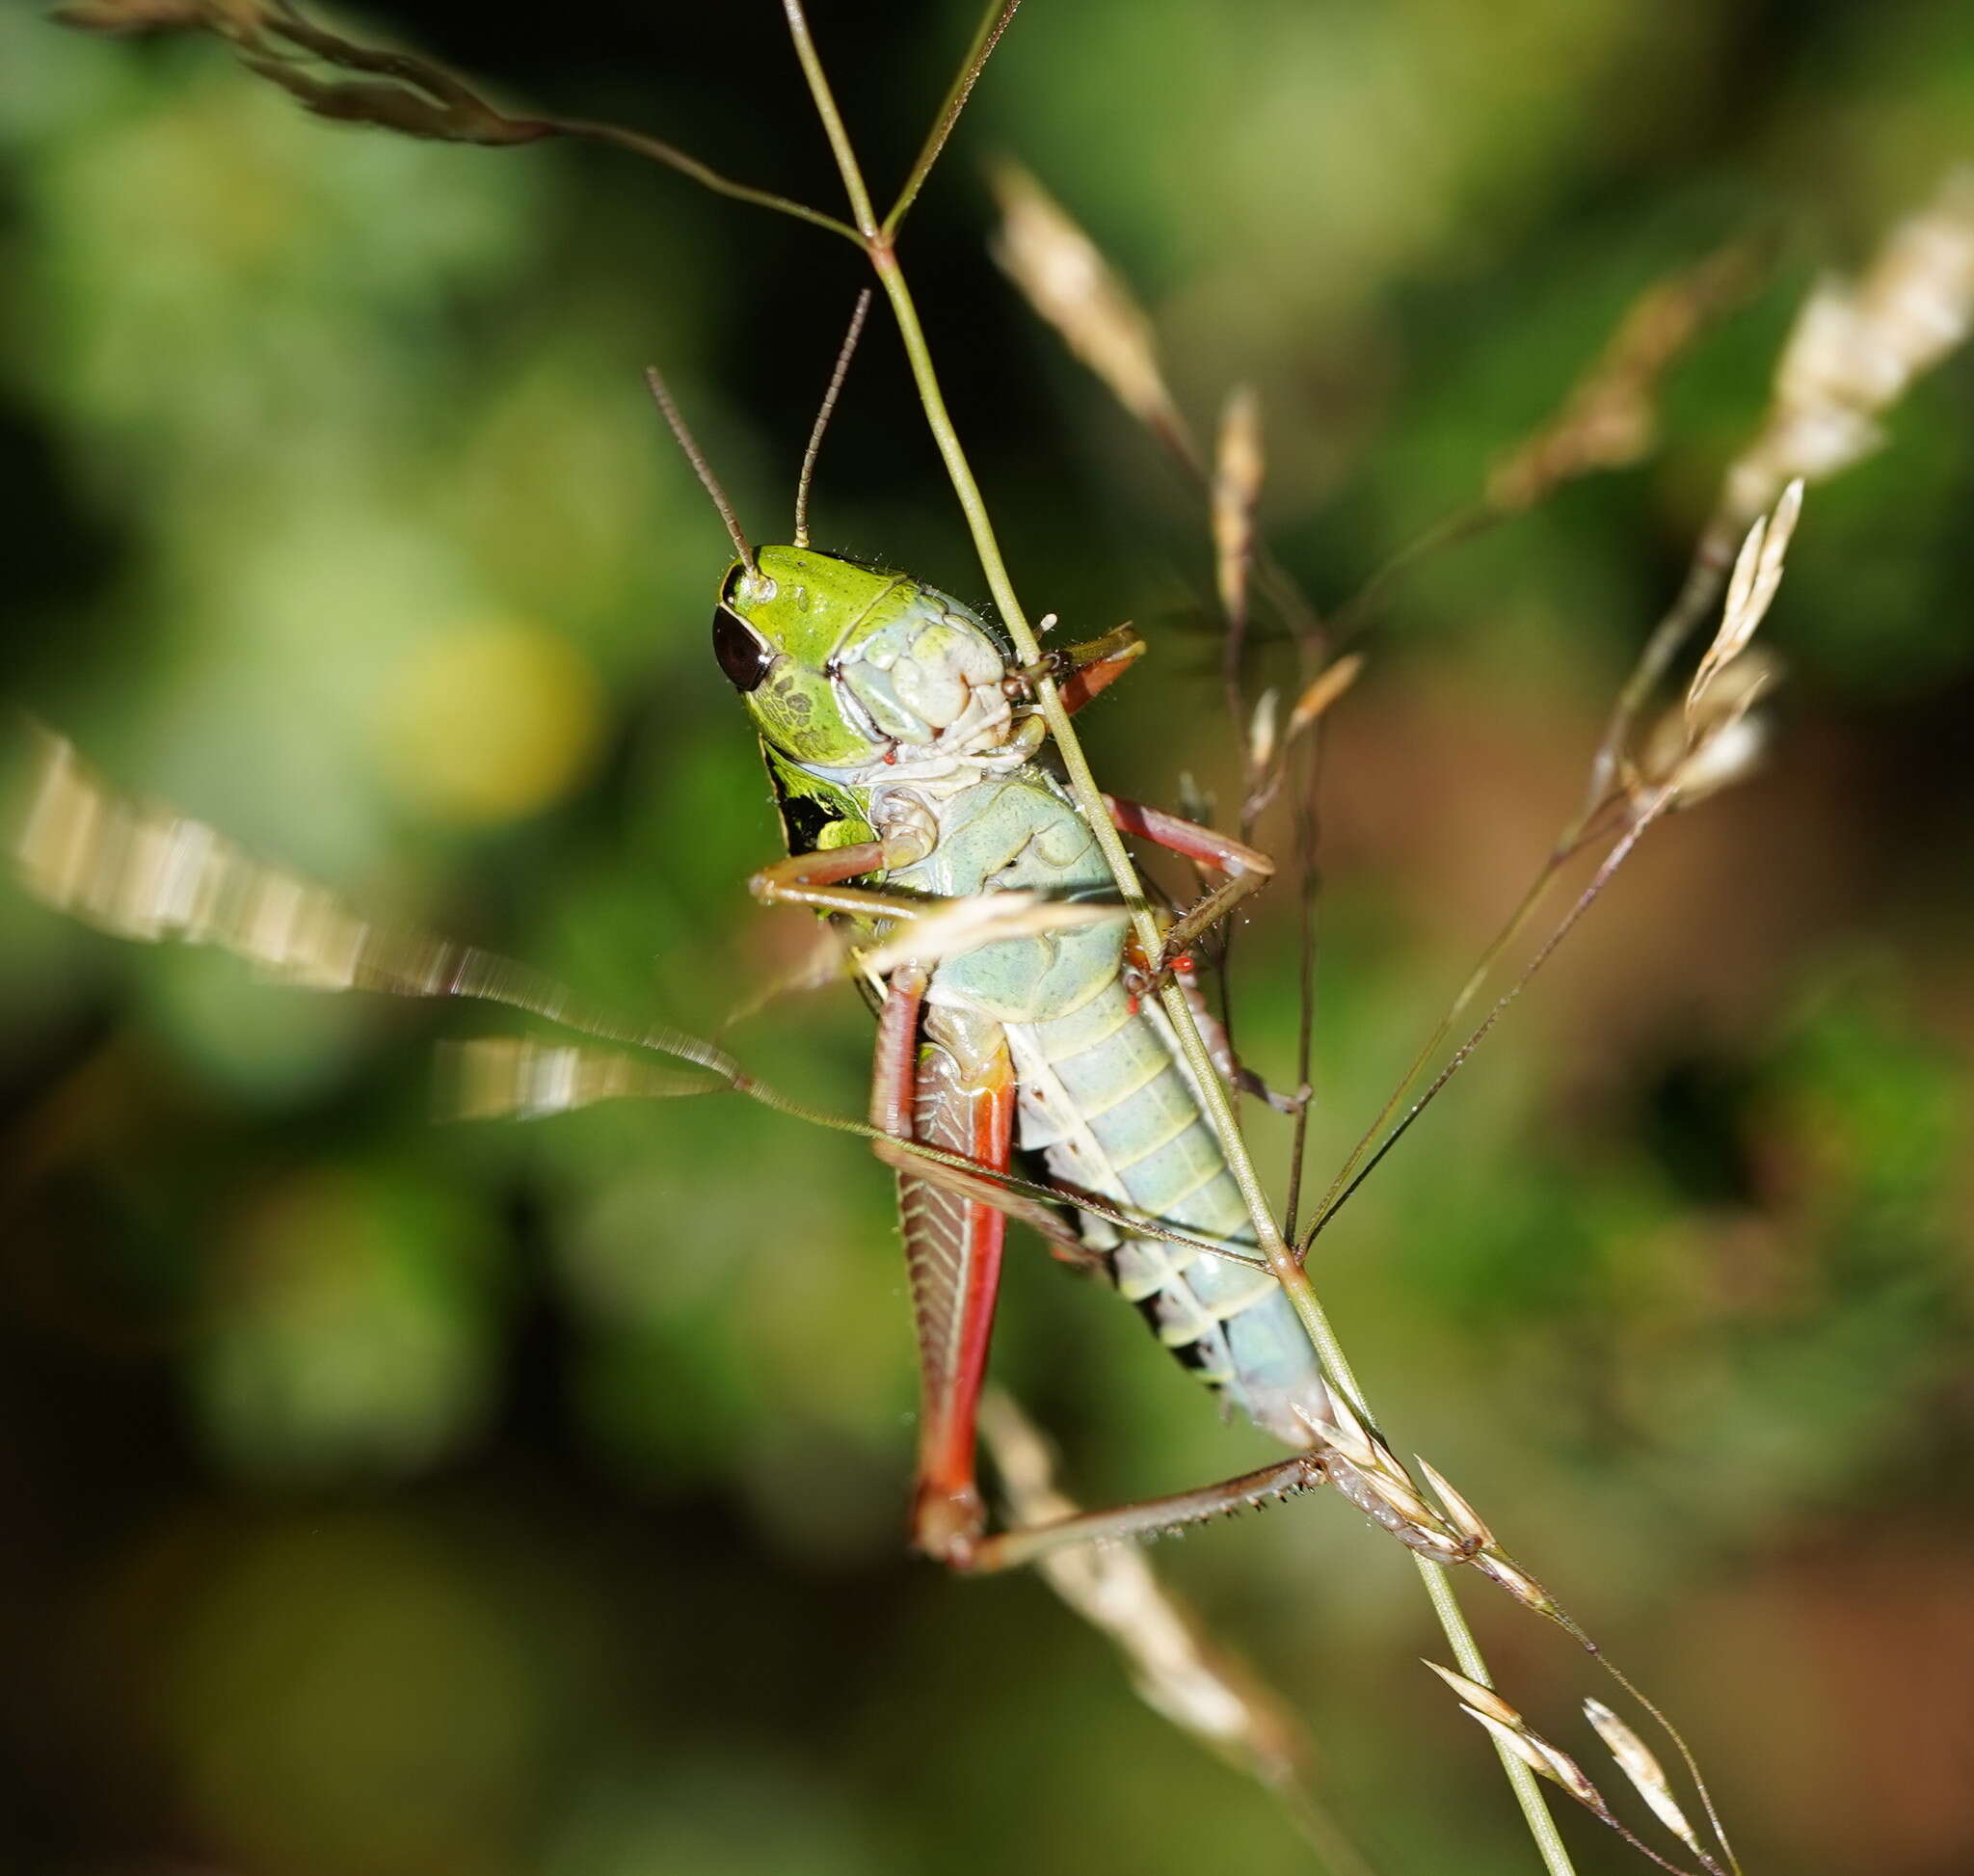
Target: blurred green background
<point>384,1498</point>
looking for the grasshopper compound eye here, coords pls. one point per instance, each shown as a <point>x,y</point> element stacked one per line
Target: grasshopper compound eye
<point>743,655</point>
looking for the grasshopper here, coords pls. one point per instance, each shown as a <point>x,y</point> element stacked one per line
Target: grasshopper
<point>909,766</point>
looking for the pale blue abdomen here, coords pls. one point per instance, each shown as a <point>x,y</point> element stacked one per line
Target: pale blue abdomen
<point>1108,1101</point>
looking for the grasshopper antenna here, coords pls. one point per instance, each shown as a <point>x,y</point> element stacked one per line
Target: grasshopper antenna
<point>845,355</point>
<point>701,467</point>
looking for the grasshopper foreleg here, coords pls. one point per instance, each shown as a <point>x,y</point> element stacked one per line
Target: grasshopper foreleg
<point>817,880</point>
<point>1247,870</point>
<point>1082,671</point>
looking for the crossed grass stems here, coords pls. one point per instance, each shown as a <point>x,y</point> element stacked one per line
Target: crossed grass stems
<point>1818,423</point>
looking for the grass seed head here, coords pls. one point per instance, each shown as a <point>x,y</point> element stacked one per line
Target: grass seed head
<point>503,1077</point>
<point>1710,742</point>
<point>1341,1428</point>
<point>1751,590</point>
<point>1398,1491</point>
<point>1724,757</point>
<point>964,924</point>
<point>1067,280</point>
<point>1543,1758</point>
<point>1324,690</point>
<point>1174,1669</point>
<point>393,90</point>
<point>1857,345</point>
<point>1519,1584</point>
<point>1238,468</point>
<point>1476,1696</point>
<point>1261,731</point>
<point>1635,1760</point>
<point>1461,1514</point>
<point>1610,419</point>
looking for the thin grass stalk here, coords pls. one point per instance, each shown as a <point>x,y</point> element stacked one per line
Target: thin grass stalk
<point>1516,922</point>
<point>638,144</point>
<point>1308,892</point>
<point>1606,870</point>
<point>996,19</point>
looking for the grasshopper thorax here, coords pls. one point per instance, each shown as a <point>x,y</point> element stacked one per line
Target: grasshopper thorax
<point>845,666</point>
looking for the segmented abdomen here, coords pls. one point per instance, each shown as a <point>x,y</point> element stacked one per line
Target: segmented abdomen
<point>1112,1106</point>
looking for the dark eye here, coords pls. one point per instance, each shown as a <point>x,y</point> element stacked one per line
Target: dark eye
<point>741,653</point>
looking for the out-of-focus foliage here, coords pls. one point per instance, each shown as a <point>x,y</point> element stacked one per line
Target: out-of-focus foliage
<point>384,1498</point>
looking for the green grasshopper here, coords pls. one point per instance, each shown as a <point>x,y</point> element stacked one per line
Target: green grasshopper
<point>908,762</point>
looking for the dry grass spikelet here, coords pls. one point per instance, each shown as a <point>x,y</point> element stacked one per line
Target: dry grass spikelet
<point>1238,471</point>
<point>1710,740</point>
<point>1507,1724</point>
<point>1321,691</point>
<point>1856,346</point>
<point>1635,1760</point>
<point>1198,1687</point>
<point>1066,278</point>
<point>1610,419</point>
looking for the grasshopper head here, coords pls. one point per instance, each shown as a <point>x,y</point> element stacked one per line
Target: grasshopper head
<point>842,665</point>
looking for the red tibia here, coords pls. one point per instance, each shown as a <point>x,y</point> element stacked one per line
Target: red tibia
<point>1177,835</point>
<point>1081,686</point>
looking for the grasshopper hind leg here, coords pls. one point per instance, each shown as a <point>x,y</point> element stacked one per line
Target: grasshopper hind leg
<point>946,1083</point>
<point>941,1078</point>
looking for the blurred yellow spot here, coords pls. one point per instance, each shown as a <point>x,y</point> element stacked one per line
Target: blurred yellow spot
<point>489,722</point>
